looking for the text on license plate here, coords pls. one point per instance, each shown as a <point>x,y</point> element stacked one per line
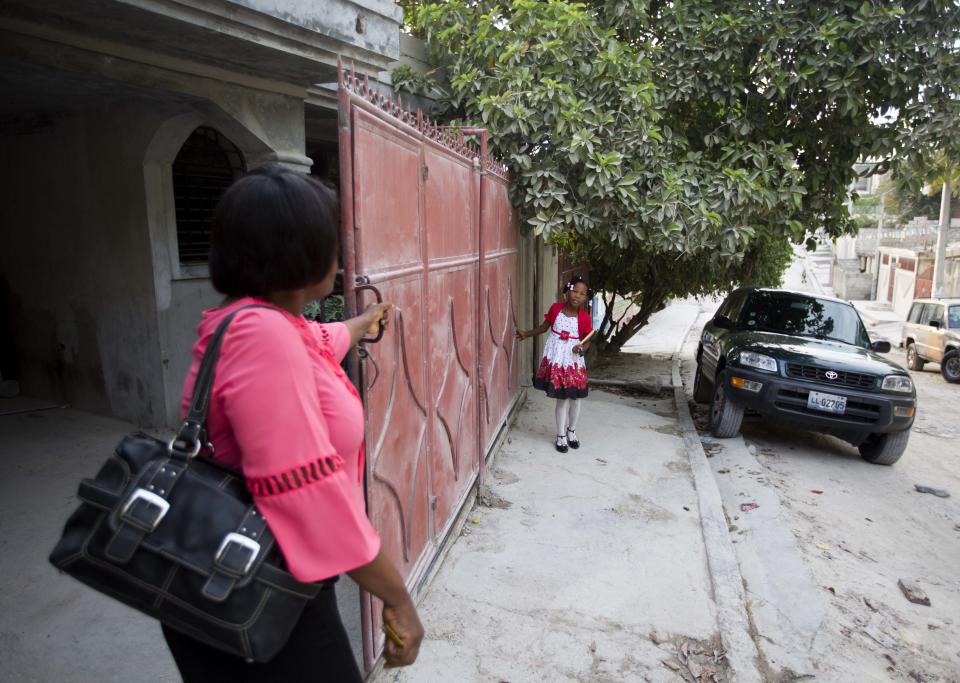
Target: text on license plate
<point>828,403</point>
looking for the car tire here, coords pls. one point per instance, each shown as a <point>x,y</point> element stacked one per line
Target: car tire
<point>701,390</point>
<point>950,366</point>
<point>725,416</point>
<point>884,449</point>
<point>914,361</point>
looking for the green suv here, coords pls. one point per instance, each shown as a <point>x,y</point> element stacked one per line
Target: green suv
<point>804,360</point>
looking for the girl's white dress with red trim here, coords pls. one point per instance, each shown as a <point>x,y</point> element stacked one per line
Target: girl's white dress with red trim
<point>562,373</point>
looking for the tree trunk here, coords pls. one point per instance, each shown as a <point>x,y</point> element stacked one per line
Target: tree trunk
<point>652,303</point>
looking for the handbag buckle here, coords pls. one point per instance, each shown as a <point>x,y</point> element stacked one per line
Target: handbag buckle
<point>245,543</point>
<point>174,447</point>
<point>153,501</point>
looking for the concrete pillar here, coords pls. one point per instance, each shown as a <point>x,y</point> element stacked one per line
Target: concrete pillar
<point>940,260</point>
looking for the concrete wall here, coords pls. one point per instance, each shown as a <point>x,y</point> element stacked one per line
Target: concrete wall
<point>951,274</point>
<point>76,262</point>
<point>371,24</point>
<point>849,283</point>
<point>548,272</point>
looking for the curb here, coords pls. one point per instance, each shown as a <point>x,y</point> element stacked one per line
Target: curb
<point>728,593</point>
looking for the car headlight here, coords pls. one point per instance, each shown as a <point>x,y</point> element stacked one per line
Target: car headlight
<point>757,360</point>
<point>900,383</point>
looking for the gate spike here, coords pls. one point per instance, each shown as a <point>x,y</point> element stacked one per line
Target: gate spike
<point>366,85</point>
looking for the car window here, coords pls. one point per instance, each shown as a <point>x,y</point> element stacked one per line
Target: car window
<point>927,314</point>
<point>736,305</point>
<point>915,312</point>
<point>805,316</point>
<point>953,317</point>
<point>725,306</point>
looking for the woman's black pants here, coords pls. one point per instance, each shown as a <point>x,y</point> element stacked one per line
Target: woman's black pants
<point>318,652</point>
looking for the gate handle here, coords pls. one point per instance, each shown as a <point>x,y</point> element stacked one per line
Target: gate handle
<point>362,283</point>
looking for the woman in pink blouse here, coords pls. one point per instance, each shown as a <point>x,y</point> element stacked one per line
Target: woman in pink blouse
<point>283,411</point>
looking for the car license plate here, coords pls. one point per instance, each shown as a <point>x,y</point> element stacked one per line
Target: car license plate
<point>828,403</point>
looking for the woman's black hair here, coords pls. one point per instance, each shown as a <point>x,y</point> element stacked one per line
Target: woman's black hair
<point>274,229</point>
<point>576,280</point>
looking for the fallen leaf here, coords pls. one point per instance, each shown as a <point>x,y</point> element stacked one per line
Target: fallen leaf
<point>870,604</point>
<point>746,507</point>
<point>654,638</point>
<point>823,546</point>
<point>819,493</point>
<point>593,646</point>
<point>723,471</point>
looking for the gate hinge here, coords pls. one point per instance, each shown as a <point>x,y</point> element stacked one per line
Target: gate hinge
<point>424,171</point>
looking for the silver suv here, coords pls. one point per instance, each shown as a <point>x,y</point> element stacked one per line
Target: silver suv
<point>932,334</point>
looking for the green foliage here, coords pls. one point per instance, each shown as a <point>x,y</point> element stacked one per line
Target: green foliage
<point>680,146</point>
<point>325,310</point>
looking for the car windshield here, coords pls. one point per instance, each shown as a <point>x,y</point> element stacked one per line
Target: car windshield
<point>953,317</point>
<point>805,316</point>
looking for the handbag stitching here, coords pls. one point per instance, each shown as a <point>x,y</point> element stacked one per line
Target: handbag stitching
<point>166,586</point>
<point>253,576</point>
<point>205,616</point>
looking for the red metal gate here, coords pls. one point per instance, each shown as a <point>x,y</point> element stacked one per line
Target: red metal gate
<point>427,223</point>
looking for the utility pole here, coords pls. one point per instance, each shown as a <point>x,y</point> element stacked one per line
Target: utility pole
<point>940,260</point>
<point>876,258</point>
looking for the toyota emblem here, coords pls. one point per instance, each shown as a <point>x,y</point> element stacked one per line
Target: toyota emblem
<point>831,375</point>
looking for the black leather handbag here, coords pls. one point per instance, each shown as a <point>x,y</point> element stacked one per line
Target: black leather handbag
<point>176,535</point>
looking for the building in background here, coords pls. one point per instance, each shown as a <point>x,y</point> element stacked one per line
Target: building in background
<point>121,123</point>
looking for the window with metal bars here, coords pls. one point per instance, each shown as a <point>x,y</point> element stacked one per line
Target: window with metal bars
<point>205,166</point>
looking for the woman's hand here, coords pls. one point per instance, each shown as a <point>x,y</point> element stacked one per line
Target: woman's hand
<point>577,349</point>
<point>521,335</point>
<point>375,316</point>
<point>405,622</point>
<point>381,578</point>
<point>368,322</point>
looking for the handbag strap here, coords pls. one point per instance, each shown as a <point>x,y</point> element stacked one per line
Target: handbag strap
<point>189,439</point>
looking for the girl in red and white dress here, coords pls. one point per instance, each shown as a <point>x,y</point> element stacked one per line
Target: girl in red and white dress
<point>563,372</point>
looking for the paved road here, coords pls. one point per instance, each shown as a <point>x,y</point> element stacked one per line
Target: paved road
<point>822,554</point>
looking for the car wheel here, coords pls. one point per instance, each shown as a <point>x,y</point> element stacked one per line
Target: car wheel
<point>725,416</point>
<point>914,361</point>
<point>884,449</point>
<point>701,390</point>
<point>950,366</point>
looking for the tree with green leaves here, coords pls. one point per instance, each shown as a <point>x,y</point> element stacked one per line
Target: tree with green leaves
<point>679,147</point>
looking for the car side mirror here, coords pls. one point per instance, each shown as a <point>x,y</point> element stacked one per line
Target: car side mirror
<point>881,346</point>
<point>935,324</point>
<point>723,321</point>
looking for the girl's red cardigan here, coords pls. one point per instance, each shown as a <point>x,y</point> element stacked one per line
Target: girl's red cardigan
<point>584,323</point>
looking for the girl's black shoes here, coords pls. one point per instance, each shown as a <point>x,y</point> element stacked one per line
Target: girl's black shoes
<point>561,444</point>
<point>572,439</point>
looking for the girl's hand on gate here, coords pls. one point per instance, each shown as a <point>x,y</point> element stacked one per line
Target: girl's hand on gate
<point>405,622</point>
<point>578,350</point>
<point>521,335</point>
